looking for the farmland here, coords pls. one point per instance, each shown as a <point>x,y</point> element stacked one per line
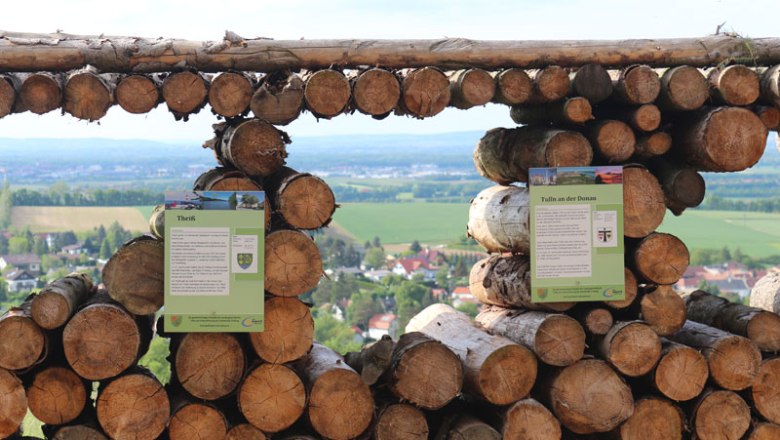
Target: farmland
<point>61,218</point>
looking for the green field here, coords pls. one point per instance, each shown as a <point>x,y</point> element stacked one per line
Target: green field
<point>76,218</point>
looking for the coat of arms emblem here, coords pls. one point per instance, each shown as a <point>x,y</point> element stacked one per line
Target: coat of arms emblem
<point>244,260</point>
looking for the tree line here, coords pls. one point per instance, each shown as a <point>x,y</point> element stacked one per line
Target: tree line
<point>717,203</point>
<point>91,197</point>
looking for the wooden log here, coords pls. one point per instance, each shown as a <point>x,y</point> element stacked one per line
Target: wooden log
<point>103,339</point>
<point>373,360</point>
<point>660,258</point>
<point>327,93</point>
<point>157,222</point>
<point>506,281</point>
<point>41,92</point>
<point>468,427</point>
<point>733,360</point>
<point>612,140</point>
<point>643,202</point>
<point>719,414</point>
<point>528,419</point>
<point>471,88</point>
<point>592,82</point>
<point>400,421</point>
<point>513,87</point>
<point>587,396</point>
<point>496,369</point>
<point>574,110</point>
<point>57,302</point>
<point>550,83</point>
<point>770,86</point>
<point>631,290</point>
<point>505,155</point>
<point>654,418</point>
<point>185,93</point>
<point>636,85</point>
<point>295,435</point>
<point>13,403</point>
<point>721,139</point>
<point>293,264</point>
<point>134,275</point>
<point>208,365</point>
<point>652,144</point>
<point>765,294</point>
<point>78,432</point>
<point>340,404</point>
<point>57,395</point>
<point>376,92</point>
<point>22,342</point>
<point>662,309</point>
<point>498,219</point>
<point>244,431</point>
<point>556,339</point>
<point>632,347</point>
<point>683,187</point>
<point>9,84</point>
<point>272,397</point>
<point>770,116</point>
<point>289,331</point>
<point>88,95</point>
<point>765,392</point>
<point>230,94</point>
<point>138,94</point>
<point>225,179</point>
<point>596,321</point>
<point>134,405</point>
<point>764,431</point>
<point>424,371</point>
<point>424,92</point>
<point>254,147</point>
<point>196,420</point>
<point>278,98</point>
<point>683,88</point>
<point>733,85</point>
<point>643,118</point>
<point>760,326</point>
<point>681,372</point>
<point>303,200</point>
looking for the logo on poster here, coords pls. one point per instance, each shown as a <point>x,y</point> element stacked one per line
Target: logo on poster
<point>244,260</point>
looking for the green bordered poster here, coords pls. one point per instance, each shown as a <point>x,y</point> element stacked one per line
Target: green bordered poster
<point>577,234</point>
<point>214,262</point>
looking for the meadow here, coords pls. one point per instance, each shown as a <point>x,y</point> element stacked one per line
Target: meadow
<point>72,218</point>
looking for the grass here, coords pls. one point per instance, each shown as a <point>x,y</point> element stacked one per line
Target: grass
<point>70,218</point>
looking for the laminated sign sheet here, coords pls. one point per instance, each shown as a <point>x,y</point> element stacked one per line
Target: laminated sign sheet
<point>214,262</point>
<point>577,234</point>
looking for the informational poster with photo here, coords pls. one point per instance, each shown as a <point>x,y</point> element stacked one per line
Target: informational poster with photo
<point>214,263</point>
<point>577,234</point>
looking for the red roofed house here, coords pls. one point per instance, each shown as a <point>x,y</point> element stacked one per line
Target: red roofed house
<point>409,267</point>
<point>382,324</point>
<point>462,294</point>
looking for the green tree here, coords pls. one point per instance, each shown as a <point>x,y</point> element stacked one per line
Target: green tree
<point>3,245</point>
<point>40,247</point>
<point>708,287</point>
<point>725,255</point>
<point>362,306</point>
<point>468,308</point>
<point>18,245</point>
<point>415,246</point>
<point>442,276</point>
<point>105,250</point>
<point>6,205</point>
<point>375,258</point>
<point>376,242</point>
<point>334,334</point>
<point>155,359</point>
<point>233,201</point>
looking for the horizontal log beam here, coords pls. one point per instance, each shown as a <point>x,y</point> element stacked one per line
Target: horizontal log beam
<point>62,52</point>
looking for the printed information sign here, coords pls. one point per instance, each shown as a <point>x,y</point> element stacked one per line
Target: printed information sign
<point>214,262</point>
<point>577,234</point>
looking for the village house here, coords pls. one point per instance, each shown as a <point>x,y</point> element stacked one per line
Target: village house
<point>409,267</point>
<point>382,324</point>
<point>19,280</point>
<point>461,295</point>
<point>27,262</point>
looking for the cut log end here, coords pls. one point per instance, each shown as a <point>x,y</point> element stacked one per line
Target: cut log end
<point>631,289</point>
<point>133,406</point>
<point>734,362</point>
<point>13,403</point>
<point>253,146</point>
<point>646,118</point>
<point>661,258</point>
<point>613,140</point>
<point>643,201</point>
<point>560,340</point>
<point>765,392</point>
<point>184,92</point>
<point>598,321</point>
<point>550,84</point>
<point>764,330</point>
<point>735,85</point>
<point>639,85</point>
<point>513,87</point>
<point>654,419</point>
<point>196,420</point>
<point>633,348</point>
<point>50,310</point>
<point>327,93</point>
<point>57,396</point>
<point>87,96</point>
<point>471,88</point>
<point>663,310</point>
<point>41,93</point>
<point>568,148</point>
<point>289,331</point>
<point>592,81</point>
<point>653,144</point>
<point>721,414</point>
<point>340,404</point>
<point>134,276</point>
<point>7,96</point>
<point>529,419</point>
<point>137,94</point>
<point>293,264</point>
<point>734,139</point>
<point>278,100</point>
<point>230,94</point>
<point>401,422</point>
<point>684,88</point>
<point>578,110</point>
<point>209,365</point>
<point>508,374</point>
<point>765,431</point>
<point>306,202</point>
<point>22,342</point>
<point>79,432</point>
<point>681,373</point>
<point>245,431</point>
<point>426,92</point>
<point>376,92</point>
<point>770,116</point>
<point>272,397</point>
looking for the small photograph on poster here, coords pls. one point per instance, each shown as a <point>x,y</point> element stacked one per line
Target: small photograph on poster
<point>215,200</point>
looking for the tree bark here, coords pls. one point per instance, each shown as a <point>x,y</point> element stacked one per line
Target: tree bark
<point>613,141</point>
<point>498,219</point>
<point>303,200</point>
<point>88,95</point>
<point>340,404</point>
<point>550,83</point>
<point>496,369</point>
<point>327,93</point>
<point>760,326</point>
<point>505,155</point>
<point>734,85</point>
<point>505,281</point>
<point>278,98</point>
<point>721,139</point>
<point>58,301</point>
<point>644,206</point>
<point>254,147</point>
<point>683,187</point>
<point>134,275</point>
<point>289,331</point>
<point>631,347</point>
<point>513,87</point>
<point>245,431</point>
<point>574,110</point>
<point>654,418</point>
<point>208,365</point>
<point>528,419</point>
<point>660,258</point>
<point>13,403</point>
<point>662,309</point>
<point>770,86</point>
<point>134,405</point>
<point>681,372</point>
<point>400,421</point>
<point>556,339</point>
<point>733,360</point>
<point>765,294</point>
<point>596,321</point>
<point>157,222</point>
<point>652,144</point>
<point>373,360</point>
<point>471,88</point>
<point>293,264</point>
<point>138,94</point>
<point>770,116</point>
<point>376,92</point>
<point>22,342</point>
<point>631,290</point>
<point>636,85</point>
<point>57,395</point>
<point>592,82</point>
<point>587,396</point>
<point>683,88</point>
<point>185,93</point>
<point>425,92</point>
<point>191,420</point>
<point>230,94</point>
<point>272,397</point>
<point>719,414</point>
<point>42,92</point>
<point>103,339</point>
<point>765,393</point>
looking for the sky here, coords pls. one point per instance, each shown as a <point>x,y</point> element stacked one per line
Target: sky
<point>313,19</point>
